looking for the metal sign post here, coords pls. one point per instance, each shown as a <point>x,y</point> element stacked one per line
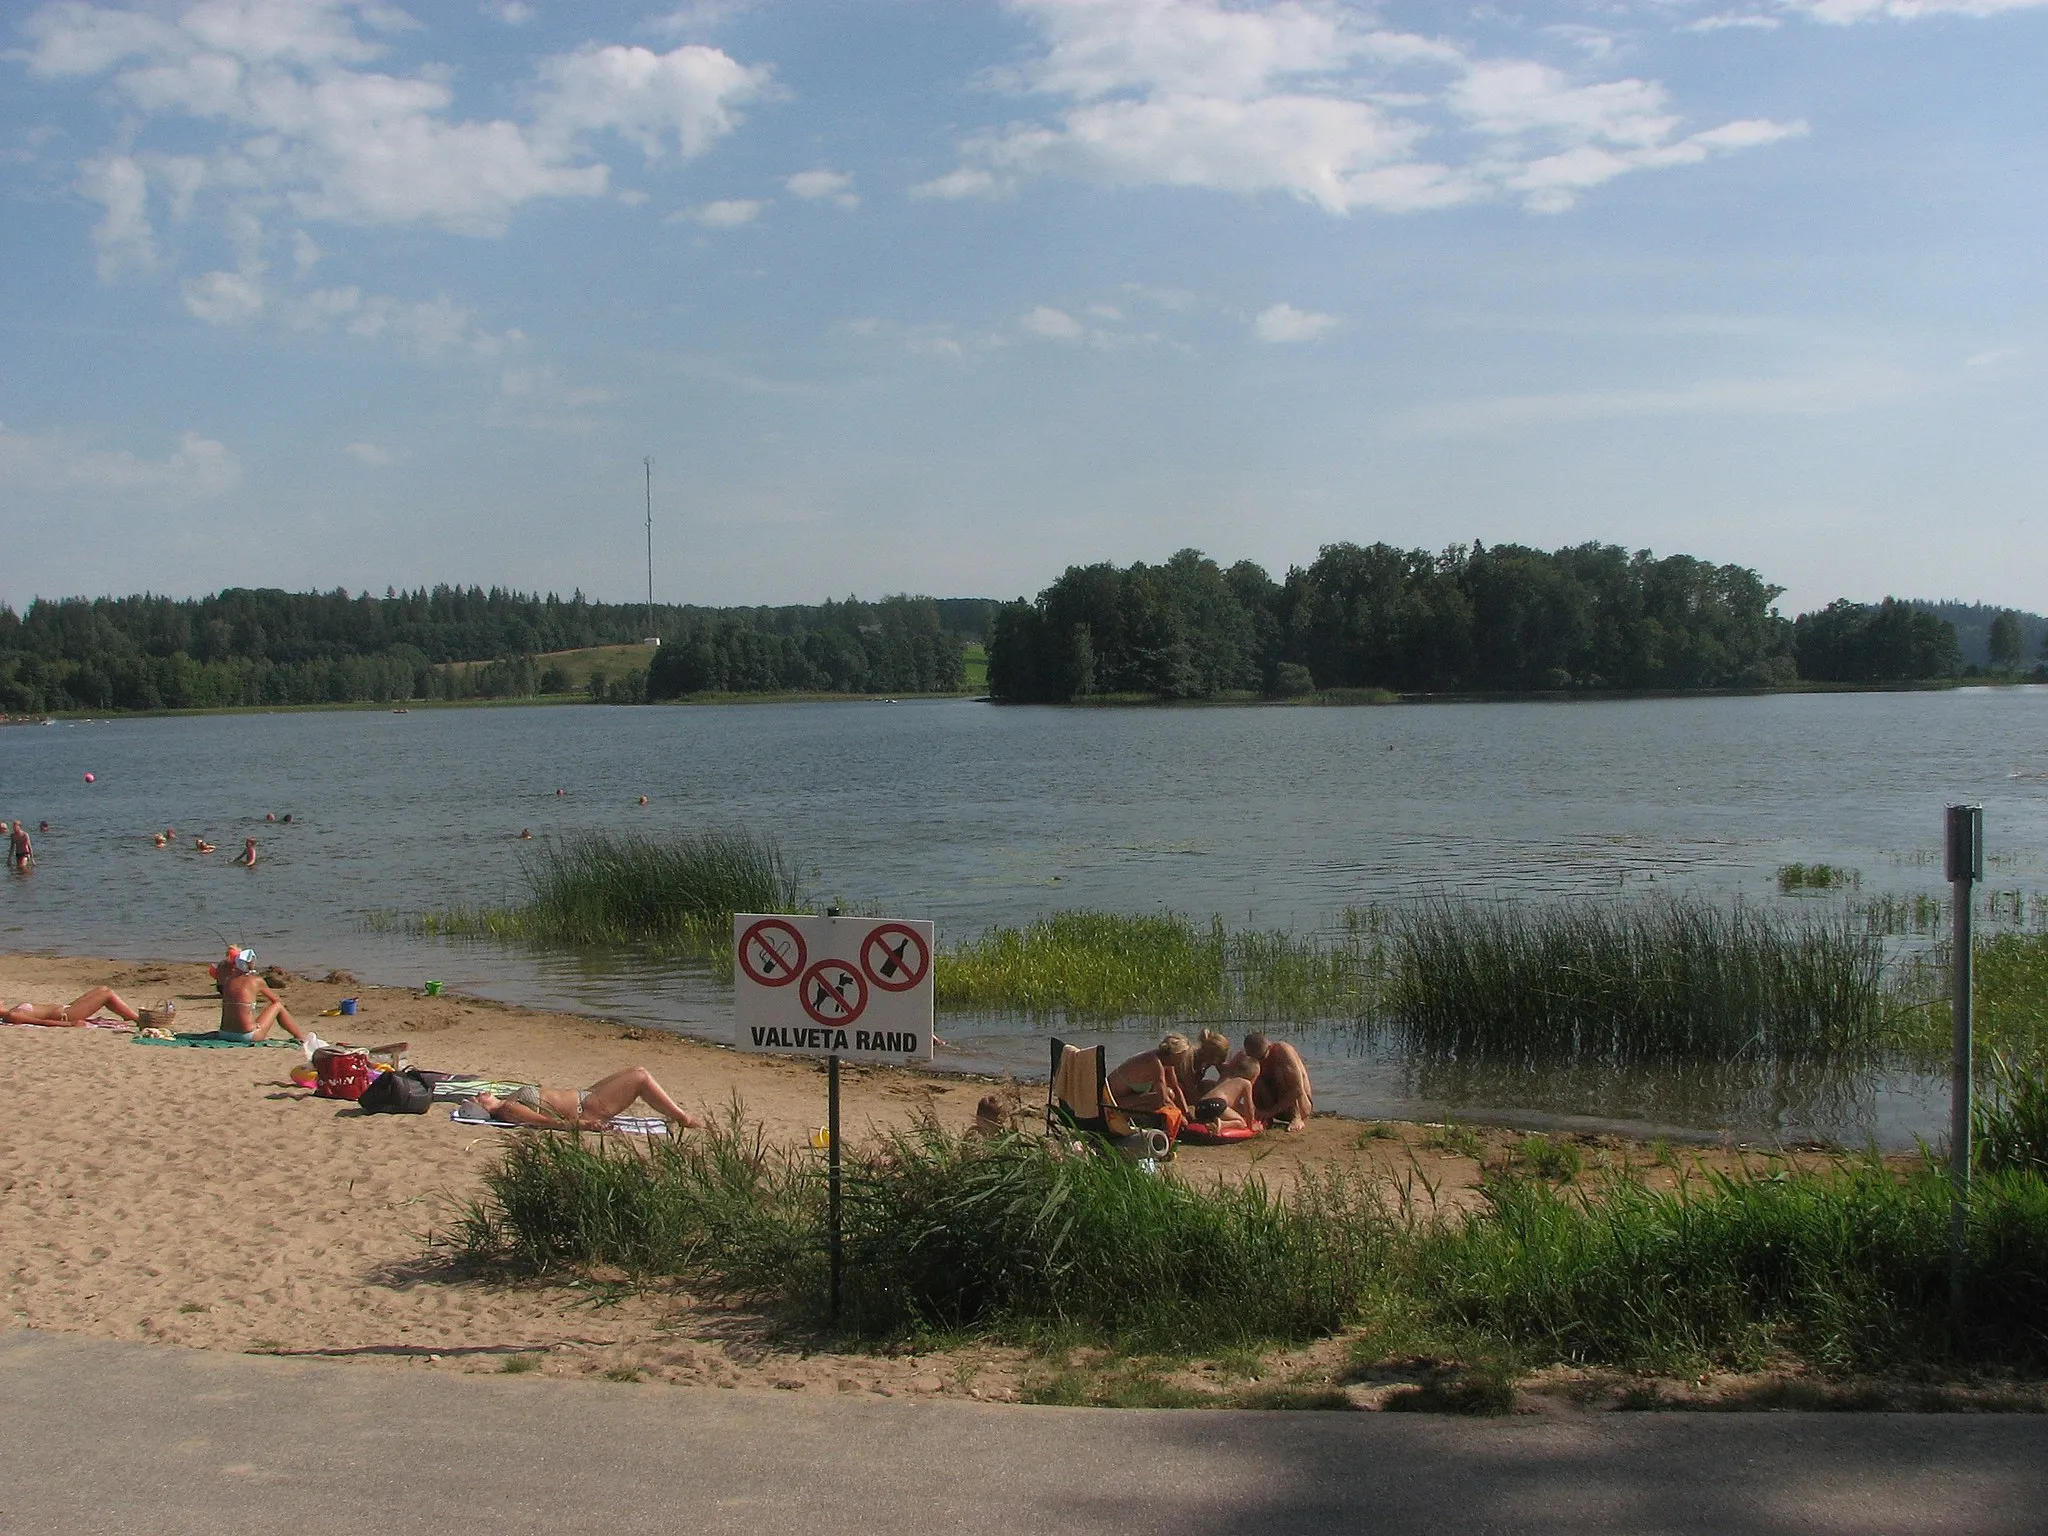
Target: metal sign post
<point>832,1177</point>
<point>1964,865</point>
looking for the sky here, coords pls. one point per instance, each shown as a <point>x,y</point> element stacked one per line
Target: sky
<point>945,296</point>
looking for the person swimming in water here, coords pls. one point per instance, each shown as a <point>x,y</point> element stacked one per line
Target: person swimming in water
<point>19,849</point>
<point>247,857</point>
<point>73,1015</point>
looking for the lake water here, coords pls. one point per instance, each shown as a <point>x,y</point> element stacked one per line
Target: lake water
<point>970,814</point>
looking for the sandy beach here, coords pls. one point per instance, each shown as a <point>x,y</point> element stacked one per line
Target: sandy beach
<point>202,1198</point>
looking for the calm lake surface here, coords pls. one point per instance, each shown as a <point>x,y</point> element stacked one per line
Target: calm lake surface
<point>970,814</point>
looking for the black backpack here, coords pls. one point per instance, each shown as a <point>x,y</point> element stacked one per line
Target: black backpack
<point>404,1092</point>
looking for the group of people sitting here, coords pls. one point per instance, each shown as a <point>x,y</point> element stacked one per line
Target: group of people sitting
<point>1264,1082</point>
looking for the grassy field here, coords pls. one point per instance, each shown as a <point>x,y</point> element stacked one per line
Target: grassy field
<point>1836,1269</point>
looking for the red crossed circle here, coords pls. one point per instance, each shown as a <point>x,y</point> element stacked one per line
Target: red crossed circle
<point>895,956</point>
<point>824,993</point>
<point>765,952</point>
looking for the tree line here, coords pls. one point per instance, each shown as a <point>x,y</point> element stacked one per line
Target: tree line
<point>1468,619</point>
<point>244,647</point>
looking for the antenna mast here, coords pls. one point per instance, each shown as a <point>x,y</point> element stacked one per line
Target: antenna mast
<point>649,465</point>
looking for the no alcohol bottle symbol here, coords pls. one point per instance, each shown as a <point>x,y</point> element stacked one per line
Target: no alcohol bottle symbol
<point>895,957</point>
<point>834,992</point>
<point>772,953</point>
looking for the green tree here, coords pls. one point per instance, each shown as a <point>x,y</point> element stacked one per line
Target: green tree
<point>2004,642</point>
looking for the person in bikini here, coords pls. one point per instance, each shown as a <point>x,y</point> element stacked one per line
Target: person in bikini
<point>1280,1091</point>
<point>249,1010</point>
<point>1212,1051</point>
<point>1152,1079</point>
<point>1226,1104</point>
<point>72,1015</point>
<point>587,1109</point>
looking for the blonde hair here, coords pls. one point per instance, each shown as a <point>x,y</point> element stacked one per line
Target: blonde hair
<point>1175,1048</point>
<point>1212,1048</point>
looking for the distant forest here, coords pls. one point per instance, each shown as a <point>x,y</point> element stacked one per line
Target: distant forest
<point>1471,619</point>
<point>258,647</point>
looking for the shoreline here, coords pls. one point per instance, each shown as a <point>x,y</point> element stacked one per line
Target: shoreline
<point>1330,698</point>
<point>201,1198</point>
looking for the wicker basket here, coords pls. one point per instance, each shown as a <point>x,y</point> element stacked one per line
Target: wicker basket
<point>158,1016</point>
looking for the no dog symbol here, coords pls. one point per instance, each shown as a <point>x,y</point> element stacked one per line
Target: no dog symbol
<point>834,992</point>
<point>772,952</point>
<point>895,957</point>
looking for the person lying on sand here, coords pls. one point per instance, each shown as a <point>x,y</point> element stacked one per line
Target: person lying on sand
<point>588,1109</point>
<point>1152,1080</point>
<point>1226,1104</point>
<point>249,1010</point>
<point>73,1015</point>
<point>1280,1091</point>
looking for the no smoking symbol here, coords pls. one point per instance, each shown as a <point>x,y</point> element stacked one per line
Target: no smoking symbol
<point>834,992</point>
<point>772,952</point>
<point>895,957</point>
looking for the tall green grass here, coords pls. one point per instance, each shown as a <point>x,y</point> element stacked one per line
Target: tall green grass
<point>942,1233</point>
<point>1621,983</point>
<point>604,888</point>
<point>1841,1270</point>
<point>1012,1238</point>
<point>1109,965</point>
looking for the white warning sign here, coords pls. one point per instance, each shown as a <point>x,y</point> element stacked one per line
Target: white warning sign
<point>854,987</point>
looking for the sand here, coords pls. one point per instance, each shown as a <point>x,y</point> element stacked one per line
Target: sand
<point>202,1198</point>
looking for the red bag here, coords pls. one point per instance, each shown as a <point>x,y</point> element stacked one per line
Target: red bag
<point>341,1074</point>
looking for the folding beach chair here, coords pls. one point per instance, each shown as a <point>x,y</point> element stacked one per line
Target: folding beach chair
<point>1078,1099</point>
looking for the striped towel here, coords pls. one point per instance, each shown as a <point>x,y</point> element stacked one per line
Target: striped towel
<point>470,1113</point>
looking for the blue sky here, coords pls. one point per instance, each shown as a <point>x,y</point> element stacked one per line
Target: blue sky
<point>947,296</point>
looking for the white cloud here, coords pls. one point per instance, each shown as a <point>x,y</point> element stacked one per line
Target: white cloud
<point>1283,322</point>
<point>1818,394</point>
<point>124,236</point>
<point>729,212</point>
<point>830,186</point>
<point>371,455</point>
<point>224,298</point>
<point>305,254</point>
<point>198,469</point>
<point>1847,12</point>
<point>1052,324</point>
<point>1991,358</point>
<point>426,327</point>
<point>513,13</point>
<point>632,197</point>
<point>298,114</point>
<point>1312,101</point>
<point>1722,22</point>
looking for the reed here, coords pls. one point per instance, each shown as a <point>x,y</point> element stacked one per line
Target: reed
<point>1842,1270</point>
<point>1620,984</point>
<point>1110,965</point>
<point>1007,1236</point>
<point>1817,877</point>
<point>602,888</point>
<point>2009,1122</point>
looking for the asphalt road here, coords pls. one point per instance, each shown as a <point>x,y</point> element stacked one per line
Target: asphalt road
<point>98,1435</point>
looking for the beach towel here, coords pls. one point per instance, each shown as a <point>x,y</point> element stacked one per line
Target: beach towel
<point>92,1023</point>
<point>211,1038</point>
<point>468,1113</point>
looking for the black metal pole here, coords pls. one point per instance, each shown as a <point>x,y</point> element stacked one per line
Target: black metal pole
<point>1965,866</point>
<point>832,1163</point>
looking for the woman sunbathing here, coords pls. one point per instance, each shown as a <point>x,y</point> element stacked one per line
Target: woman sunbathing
<point>73,1015</point>
<point>587,1109</point>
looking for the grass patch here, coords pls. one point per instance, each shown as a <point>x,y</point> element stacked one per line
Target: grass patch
<point>1112,965</point>
<point>1793,878</point>
<point>600,888</point>
<point>518,1365</point>
<point>1558,1161</point>
<point>1618,984</point>
<point>943,1235</point>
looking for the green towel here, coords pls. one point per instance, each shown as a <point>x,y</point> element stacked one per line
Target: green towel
<point>209,1039</point>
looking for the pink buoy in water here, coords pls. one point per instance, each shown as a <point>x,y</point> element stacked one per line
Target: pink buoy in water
<point>90,779</point>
